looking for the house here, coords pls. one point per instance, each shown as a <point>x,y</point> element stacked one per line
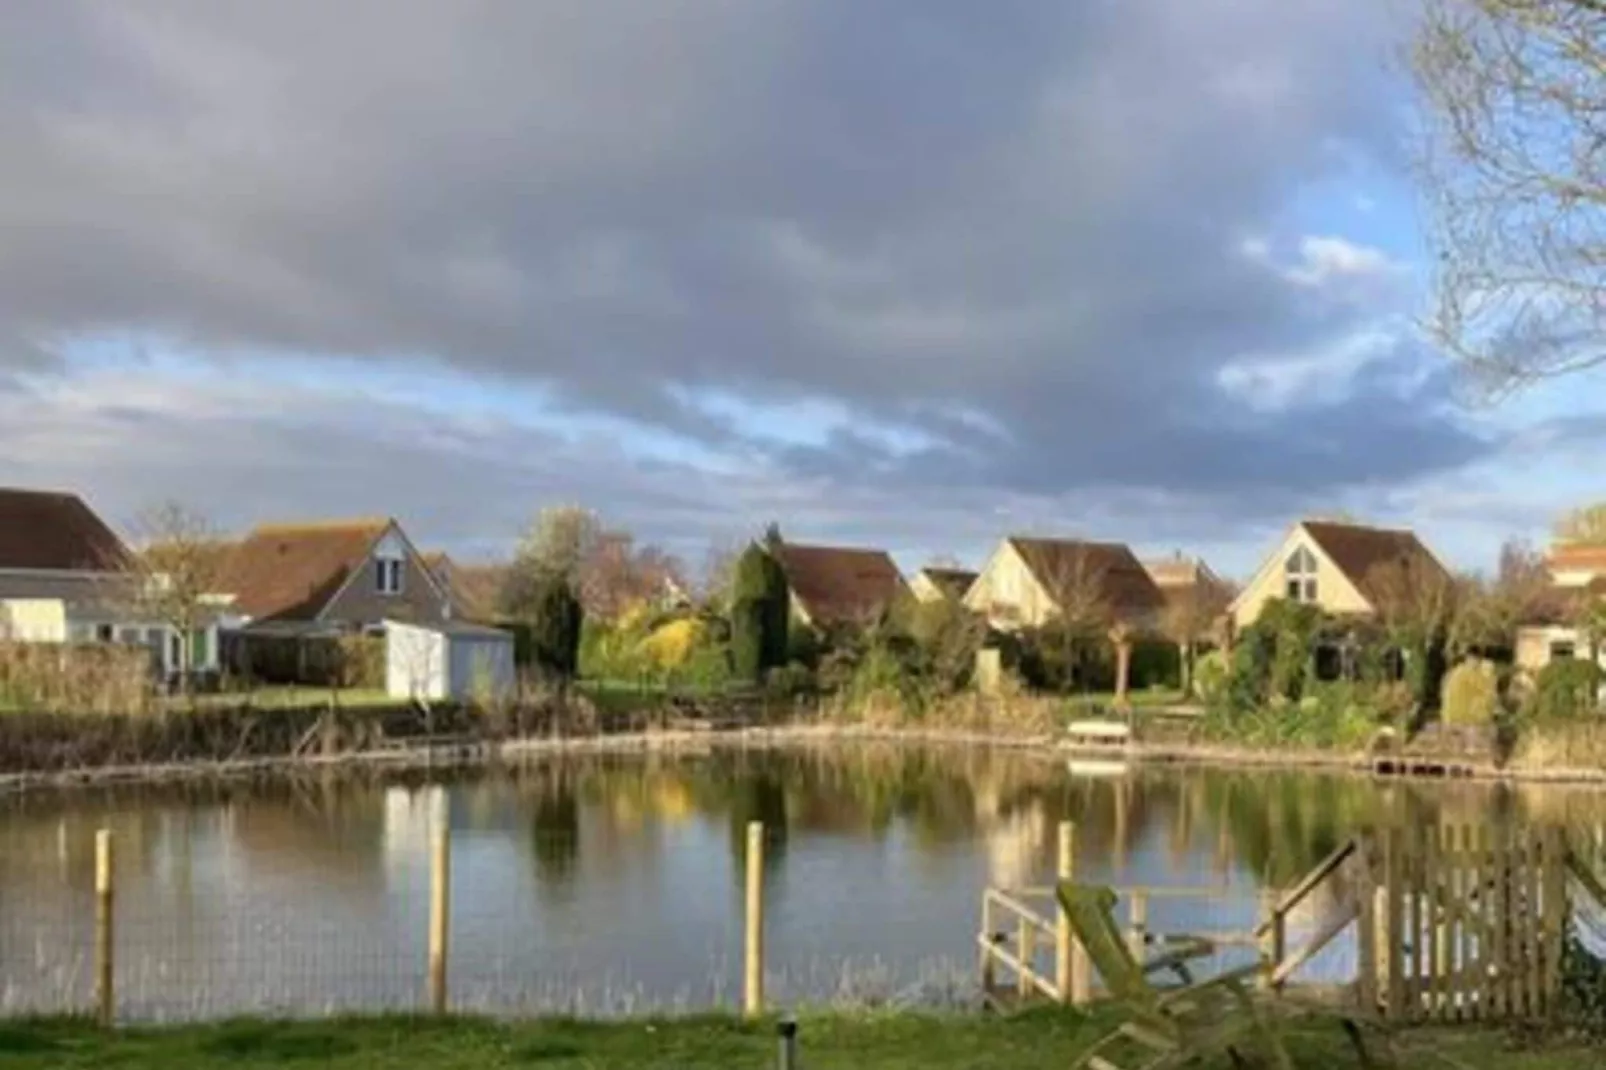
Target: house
<point>937,584</point>
<point>832,586</point>
<point>331,578</point>
<point>1333,565</point>
<point>1029,581</point>
<point>452,660</point>
<point>1193,592</point>
<point>65,577</point>
<point>472,589</point>
<point>1577,576</point>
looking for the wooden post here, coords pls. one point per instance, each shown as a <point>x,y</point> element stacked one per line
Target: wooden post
<point>1123,670</point>
<point>105,893</point>
<point>1138,935</point>
<point>753,976</point>
<point>1064,869</point>
<point>1273,943</point>
<point>1025,948</point>
<point>1394,922</point>
<point>1366,939</point>
<point>1553,902</point>
<point>440,908</point>
<point>987,972</point>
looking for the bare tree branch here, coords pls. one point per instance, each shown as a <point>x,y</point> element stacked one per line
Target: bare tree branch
<point>1514,164</point>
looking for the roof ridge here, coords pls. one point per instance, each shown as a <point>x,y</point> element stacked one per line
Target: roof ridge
<point>348,524</point>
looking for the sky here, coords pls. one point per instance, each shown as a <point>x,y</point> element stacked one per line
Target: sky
<point>913,274</point>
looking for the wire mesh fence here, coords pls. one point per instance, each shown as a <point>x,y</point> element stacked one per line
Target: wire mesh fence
<point>279,908</point>
<point>204,928</point>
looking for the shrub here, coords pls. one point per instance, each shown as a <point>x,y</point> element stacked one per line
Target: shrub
<point>760,611</point>
<point>555,627</point>
<point>1565,690</point>
<point>948,637</point>
<point>1210,677</point>
<point>670,645</point>
<point>1471,693</point>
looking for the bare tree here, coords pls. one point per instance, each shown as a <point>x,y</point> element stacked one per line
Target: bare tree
<point>1415,599</point>
<point>1515,106</point>
<point>1190,616</point>
<point>718,573</point>
<point>1077,580</point>
<point>178,564</point>
<point>1585,526</point>
<point>617,574</point>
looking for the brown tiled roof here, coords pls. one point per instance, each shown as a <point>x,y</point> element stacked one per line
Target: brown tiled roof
<point>55,531</point>
<point>290,571</point>
<point>473,588</point>
<point>1357,550</point>
<point>1576,556</point>
<point>1126,585</point>
<point>952,582</point>
<point>840,585</point>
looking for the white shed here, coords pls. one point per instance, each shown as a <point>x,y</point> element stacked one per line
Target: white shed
<point>451,660</point>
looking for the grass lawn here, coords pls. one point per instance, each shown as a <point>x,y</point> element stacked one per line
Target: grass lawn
<point>1046,1038</point>
<point>272,698</point>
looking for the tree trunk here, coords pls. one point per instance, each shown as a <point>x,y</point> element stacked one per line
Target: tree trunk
<point>1185,662</point>
<point>1123,666</point>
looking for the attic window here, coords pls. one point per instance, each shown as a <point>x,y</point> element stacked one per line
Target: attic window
<point>388,575</point>
<point>1300,573</point>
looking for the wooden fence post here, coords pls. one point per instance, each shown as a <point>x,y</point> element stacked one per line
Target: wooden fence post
<point>1064,870</point>
<point>1394,891</point>
<point>1138,938</point>
<point>753,976</point>
<point>1274,941</point>
<point>440,909</point>
<point>105,894</point>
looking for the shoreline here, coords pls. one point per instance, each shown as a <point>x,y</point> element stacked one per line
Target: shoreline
<point>425,755</point>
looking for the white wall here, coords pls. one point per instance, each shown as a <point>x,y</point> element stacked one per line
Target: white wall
<point>480,667</point>
<point>415,662</point>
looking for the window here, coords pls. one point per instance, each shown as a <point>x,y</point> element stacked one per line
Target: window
<point>388,575</point>
<point>103,633</point>
<point>1300,573</point>
<point>1562,649</point>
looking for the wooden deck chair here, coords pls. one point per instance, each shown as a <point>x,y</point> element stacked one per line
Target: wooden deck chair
<point>1166,1026</point>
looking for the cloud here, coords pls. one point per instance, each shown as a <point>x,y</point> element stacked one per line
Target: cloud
<point>977,253</point>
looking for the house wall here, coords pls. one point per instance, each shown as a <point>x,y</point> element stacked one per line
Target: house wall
<point>415,662</point>
<point>1007,593</point>
<point>1573,577</point>
<point>34,620</point>
<point>481,667</point>
<point>1534,643</point>
<point>1334,592</point>
<point>360,604</point>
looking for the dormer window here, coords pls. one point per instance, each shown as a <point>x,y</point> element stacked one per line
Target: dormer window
<point>1300,575</point>
<point>388,575</point>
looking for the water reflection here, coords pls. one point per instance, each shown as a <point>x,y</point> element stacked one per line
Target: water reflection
<point>618,878</point>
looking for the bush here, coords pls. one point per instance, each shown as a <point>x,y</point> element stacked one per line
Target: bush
<point>555,627</point>
<point>1210,677</point>
<point>1565,690</point>
<point>1471,693</point>
<point>948,637</point>
<point>760,614</point>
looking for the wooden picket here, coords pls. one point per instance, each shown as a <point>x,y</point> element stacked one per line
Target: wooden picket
<point>1470,927</point>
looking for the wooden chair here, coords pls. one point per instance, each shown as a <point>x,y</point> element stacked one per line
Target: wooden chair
<point>1167,1026</point>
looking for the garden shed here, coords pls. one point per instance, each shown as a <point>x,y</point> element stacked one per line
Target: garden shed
<point>452,660</point>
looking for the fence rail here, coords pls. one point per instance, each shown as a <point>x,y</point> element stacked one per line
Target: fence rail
<point>1452,924</point>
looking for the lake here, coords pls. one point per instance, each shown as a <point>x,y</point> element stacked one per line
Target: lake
<point>613,884</point>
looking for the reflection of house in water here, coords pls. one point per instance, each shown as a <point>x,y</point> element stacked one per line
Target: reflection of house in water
<point>411,815</point>
<point>1015,845</point>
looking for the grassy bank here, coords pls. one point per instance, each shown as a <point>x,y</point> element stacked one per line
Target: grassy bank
<point>863,1042</point>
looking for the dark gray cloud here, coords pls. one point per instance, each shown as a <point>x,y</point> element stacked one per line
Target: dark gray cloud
<point>1025,215</point>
